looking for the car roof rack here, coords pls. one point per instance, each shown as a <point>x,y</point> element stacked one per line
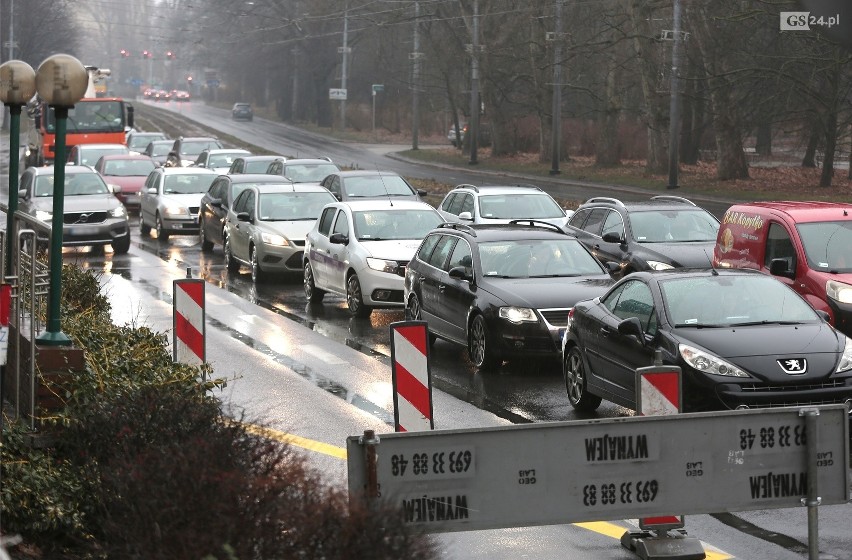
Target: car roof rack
<point>459,226</point>
<point>673,198</point>
<point>528,185</point>
<point>604,199</point>
<point>467,186</point>
<point>536,223</point>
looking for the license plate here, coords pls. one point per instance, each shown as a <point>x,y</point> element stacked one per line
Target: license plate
<point>561,334</point>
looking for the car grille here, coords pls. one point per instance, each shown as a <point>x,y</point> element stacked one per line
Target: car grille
<point>830,384</point>
<point>193,210</point>
<point>555,317</point>
<point>73,218</point>
<point>298,242</point>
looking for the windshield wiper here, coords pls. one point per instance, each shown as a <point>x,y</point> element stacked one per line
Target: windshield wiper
<point>701,325</point>
<point>764,322</point>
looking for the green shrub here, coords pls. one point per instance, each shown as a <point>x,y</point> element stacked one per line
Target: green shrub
<point>148,465</point>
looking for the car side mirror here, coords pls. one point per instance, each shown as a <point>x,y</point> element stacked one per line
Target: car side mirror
<point>824,315</point>
<point>217,202</point>
<point>243,217</point>
<point>421,192</point>
<point>466,216</point>
<point>22,193</point>
<point>613,237</point>
<point>631,326</point>
<point>778,267</point>
<point>338,196</point>
<point>461,273</point>
<point>114,189</point>
<point>152,190</point>
<point>339,239</point>
<point>613,267</point>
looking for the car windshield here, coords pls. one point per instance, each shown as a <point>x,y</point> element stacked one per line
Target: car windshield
<point>258,166</point>
<point>293,206</point>
<point>161,149</point>
<point>188,184</point>
<point>222,160</point>
<point>828,245</point>
<point>673,226</point>
<point>76,184</point>
<point>139,142</point>
<point>128,167</point>
<point>195,147</point>
<point>517,206</point>
<point>92,155</point>
<point>375,186</point>
<point>375,225</point>
<point>727,300</point>
<point>309,173</point>
<point>531,258</point>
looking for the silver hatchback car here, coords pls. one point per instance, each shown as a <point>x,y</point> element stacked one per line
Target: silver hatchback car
<point>360,250</point>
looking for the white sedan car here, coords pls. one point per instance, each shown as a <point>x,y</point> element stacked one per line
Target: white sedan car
<point>171,198</point>
<point>360,249</point>
<point>267,224</point>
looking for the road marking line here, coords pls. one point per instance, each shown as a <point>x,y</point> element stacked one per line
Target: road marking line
<point>600,527</point>
<point>304,443</point>
<point>615,531</point>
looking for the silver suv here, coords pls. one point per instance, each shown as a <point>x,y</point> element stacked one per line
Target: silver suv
<point>501,204</point>
<point>92,215</point>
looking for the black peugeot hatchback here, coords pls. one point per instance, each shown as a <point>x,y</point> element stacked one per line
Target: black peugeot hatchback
<point>743,339</point>
<point>502,290</point>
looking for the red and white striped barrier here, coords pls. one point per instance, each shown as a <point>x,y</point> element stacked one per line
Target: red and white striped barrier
<point>658,393</point>
<point>188,335</point>
<point>5,305</point>
<point>412,378</point>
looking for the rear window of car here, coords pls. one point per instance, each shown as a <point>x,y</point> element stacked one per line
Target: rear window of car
<point>194,148</point>
<point>188,184</point>
<point>128,167</point>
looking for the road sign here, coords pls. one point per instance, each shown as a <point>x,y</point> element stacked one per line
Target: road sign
<point>378,88</point>
<point>412,380</point>
<point>189,321</point>
<point>607,469</point>
<point>337,94</point>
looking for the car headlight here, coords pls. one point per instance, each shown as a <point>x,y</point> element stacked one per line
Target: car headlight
<point>382,265</point>
<point>708,363</point>
<point>518,314</point>
<point>176,211</point>
<point>118,212</point>
<point>846,359</point>
<point>657,265</point>
<point>272,239</point>
<point>838,291</point>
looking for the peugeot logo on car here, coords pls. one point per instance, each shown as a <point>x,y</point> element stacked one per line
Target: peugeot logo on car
<point>794,366</point>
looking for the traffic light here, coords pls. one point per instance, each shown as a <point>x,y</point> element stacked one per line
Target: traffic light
<point>125,53</point>
<point>189,79</point>
<point>170,55</point>
<point>147,54</point>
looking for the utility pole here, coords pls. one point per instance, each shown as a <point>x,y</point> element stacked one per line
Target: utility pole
<point>345,51</point>
<point>556,126</point>
<point>473,129</point>
<point>674,106</point>
<point>415,80</point>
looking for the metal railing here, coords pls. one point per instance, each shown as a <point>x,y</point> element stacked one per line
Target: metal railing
<point>29,278</point>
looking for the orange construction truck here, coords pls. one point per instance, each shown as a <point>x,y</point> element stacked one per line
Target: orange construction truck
<point>92,120</point>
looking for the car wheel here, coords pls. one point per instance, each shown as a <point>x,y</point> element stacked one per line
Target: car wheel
<point>312,293</point>
<point>144,228</point>
<point>413,313</point>
<point>480,347</point>
<point>162,234</point>
<point>576,382</point>
<point>257,274</point>
<point>230,262</point>
<point>355,299</point>
<point>121,245</point>
<point>206,245</point>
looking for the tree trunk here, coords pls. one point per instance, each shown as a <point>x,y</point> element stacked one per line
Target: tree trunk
<point>849,173</point>
<point>607,148</point>
<point>692,127</point>
<point>813,142</point>
<point>763,145</point>
<point>830,146</point>
<point>654,113</point>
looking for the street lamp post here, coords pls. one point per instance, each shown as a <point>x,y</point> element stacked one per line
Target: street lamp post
<point>61,81</point>
<point>17,86</point>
